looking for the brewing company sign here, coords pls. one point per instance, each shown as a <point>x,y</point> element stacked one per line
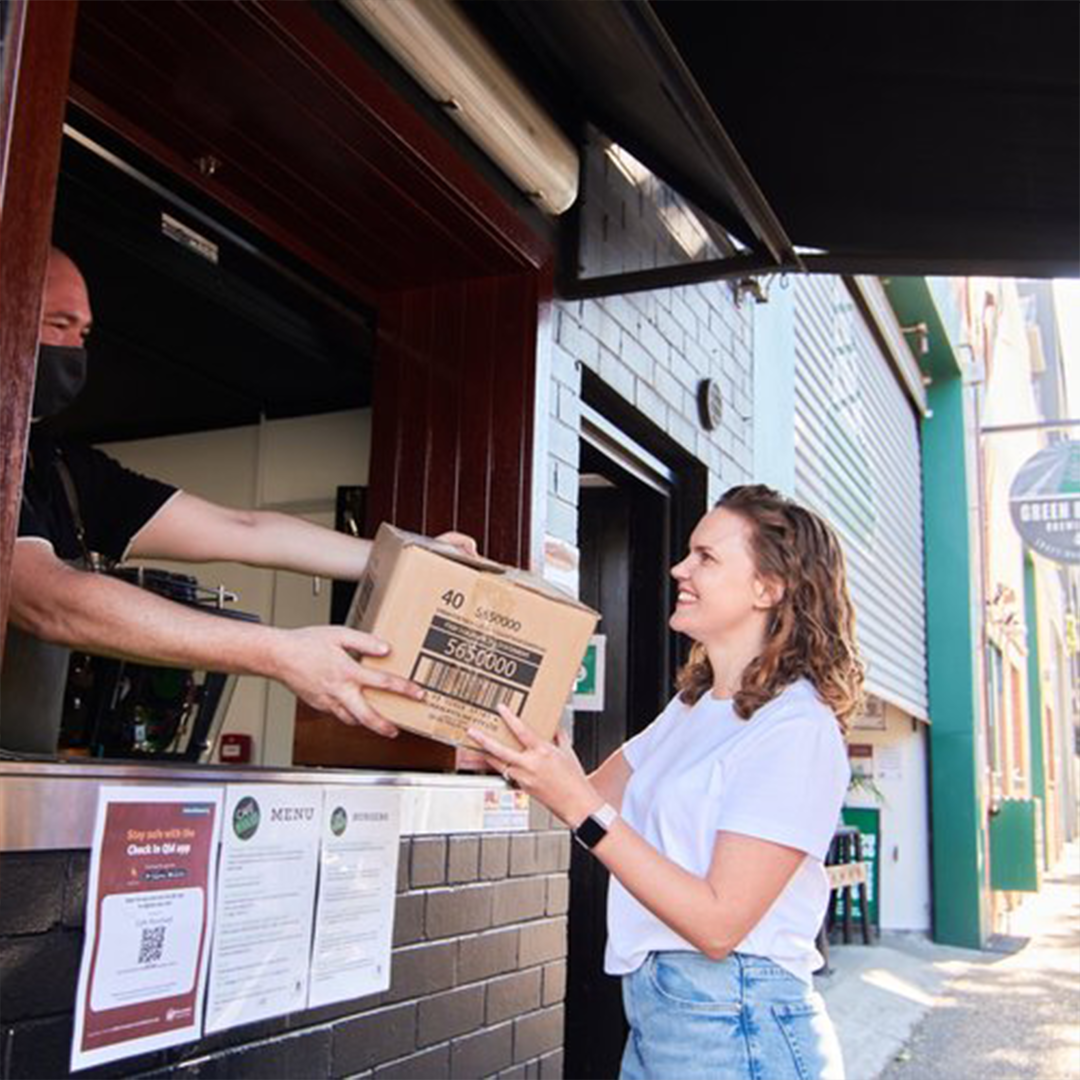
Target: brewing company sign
<point>1045,502</point>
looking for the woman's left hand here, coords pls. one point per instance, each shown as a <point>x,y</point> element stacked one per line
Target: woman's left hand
<point>550,772</point>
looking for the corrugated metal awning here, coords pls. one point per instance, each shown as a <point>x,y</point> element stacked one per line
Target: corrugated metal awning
<point>891,138</point>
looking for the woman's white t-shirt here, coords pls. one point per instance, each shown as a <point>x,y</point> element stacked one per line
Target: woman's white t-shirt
<point>699,770</point>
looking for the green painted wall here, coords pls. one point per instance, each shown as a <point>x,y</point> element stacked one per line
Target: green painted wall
<point>1035,708</point>
<point>957,818</point>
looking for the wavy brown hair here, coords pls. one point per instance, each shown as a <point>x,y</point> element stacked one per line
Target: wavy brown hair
<point>811,630</point>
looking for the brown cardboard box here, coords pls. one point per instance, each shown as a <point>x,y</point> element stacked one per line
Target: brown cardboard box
<point>473,633</point>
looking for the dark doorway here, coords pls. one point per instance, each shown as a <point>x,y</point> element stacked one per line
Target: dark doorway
<point>631,513</point>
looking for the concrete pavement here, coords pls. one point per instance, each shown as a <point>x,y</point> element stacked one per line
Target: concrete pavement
<point>907,1009</point>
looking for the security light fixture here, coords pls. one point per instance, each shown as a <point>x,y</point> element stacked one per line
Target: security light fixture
<point>439,47</point>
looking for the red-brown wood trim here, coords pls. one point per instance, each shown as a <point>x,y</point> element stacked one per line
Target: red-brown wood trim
<point>452,423</point>
<point>308,34</point>
<point>33,116</point>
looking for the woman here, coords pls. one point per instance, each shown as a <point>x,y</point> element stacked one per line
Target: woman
<point>715,820</point>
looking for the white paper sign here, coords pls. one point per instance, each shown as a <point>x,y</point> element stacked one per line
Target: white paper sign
<point>149,920</point>
<point>354,915</point>
<point>890,763</point>
<point>266,894</point>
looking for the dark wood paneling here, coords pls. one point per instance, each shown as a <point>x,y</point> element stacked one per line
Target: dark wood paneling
<point>39,54</point>
<point>319,739</point>
<point>314,148</point>
<point>452,424</point>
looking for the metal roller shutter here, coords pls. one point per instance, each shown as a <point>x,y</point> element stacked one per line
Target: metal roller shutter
<point>857,463</point>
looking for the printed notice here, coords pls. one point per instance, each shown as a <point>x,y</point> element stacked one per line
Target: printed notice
<point>354,917</point>
<point>149,921</point>
<point>266,896</point>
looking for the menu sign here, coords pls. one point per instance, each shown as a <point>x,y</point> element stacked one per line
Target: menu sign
<point>265,904</point>
<point>149,922</point>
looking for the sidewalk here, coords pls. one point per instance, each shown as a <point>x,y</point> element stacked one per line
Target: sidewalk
<point>907,1009</point>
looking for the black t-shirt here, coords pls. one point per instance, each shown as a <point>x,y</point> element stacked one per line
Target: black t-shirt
<point>113,502</point>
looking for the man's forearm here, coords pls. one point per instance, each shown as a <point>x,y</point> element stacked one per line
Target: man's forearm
<point>103,615</point>
<point>291,543</point>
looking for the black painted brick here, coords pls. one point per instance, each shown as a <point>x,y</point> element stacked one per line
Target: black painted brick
<point>538,1033</point>
<point>428,861</point>
<point>403,866</point>
<point>518,899</point>
<point>32,897</point>
<point>542,941</point>
<point>554,982</point>
<point>38,974</point>
<point>484,955</point>
<point>409,919</point>
<point>301,1056</point>
<point>463,860</point>
<point>482,1054</point>
<point>371,1039</point>
<point>38,1048</point>
<point>455,1012</point>
<point>523,854</point>
<point>513,995</point>
<point>460,910</point>
<point>515,1072</point>
<point>553,851</point>
<point>558,895</point>
<point>78,876</point>
<point>494,857</point>
<point>421,969</point>
<point>551,1066</point>
<point>427,1065</point>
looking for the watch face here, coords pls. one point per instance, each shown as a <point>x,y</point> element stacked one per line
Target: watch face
<point>590,832</point>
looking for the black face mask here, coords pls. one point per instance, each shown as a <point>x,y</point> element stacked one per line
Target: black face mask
<point>61,375</point>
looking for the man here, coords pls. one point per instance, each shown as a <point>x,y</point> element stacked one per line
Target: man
<point>77,500</point>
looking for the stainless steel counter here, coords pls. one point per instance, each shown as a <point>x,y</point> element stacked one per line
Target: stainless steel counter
<point>50,805</point>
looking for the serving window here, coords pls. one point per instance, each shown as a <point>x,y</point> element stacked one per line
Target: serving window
<point>307,297</point>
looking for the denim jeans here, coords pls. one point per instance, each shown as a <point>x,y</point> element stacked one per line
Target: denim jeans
<point>741,1017</point>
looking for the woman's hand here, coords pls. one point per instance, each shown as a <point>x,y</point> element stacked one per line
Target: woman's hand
<point>464,543</point>
<point>550,772</point>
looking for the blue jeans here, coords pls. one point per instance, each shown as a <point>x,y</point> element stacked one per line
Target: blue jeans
<point>741,1017</point>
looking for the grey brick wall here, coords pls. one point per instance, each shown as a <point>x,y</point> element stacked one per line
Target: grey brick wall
<point>651,348</point>
<point>477,986</point>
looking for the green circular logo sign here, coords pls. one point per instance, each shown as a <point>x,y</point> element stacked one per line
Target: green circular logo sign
<point>245,819</point>
<point>1045,502</point>
<point>338,820</point>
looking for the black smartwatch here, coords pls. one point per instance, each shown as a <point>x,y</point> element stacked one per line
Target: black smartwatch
<point>595,827</point>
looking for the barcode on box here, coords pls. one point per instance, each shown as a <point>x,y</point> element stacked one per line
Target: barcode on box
<point>466,686</point>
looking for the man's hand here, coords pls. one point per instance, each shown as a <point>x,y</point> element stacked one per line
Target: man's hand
<point>465,544</point>
<point>320,665</point>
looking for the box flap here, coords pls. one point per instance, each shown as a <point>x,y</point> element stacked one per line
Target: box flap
<point>521,578</point>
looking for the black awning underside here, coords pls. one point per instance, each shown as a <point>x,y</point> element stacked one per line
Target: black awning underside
<point>942,137</point>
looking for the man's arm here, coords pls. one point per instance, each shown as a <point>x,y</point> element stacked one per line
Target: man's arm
<point>191,529</point>
<point>104,615</point>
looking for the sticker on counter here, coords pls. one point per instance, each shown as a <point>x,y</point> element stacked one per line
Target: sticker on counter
<point>149,922</point>
<point>505,811</point>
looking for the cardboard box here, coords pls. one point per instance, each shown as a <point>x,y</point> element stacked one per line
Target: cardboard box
<point>473,633</point>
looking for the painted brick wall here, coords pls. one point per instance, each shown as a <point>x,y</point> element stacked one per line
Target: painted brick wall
<point>478,974</point>
<point>652,348</point>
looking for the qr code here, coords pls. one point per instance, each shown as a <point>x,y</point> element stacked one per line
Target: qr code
<point>152,945</point>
